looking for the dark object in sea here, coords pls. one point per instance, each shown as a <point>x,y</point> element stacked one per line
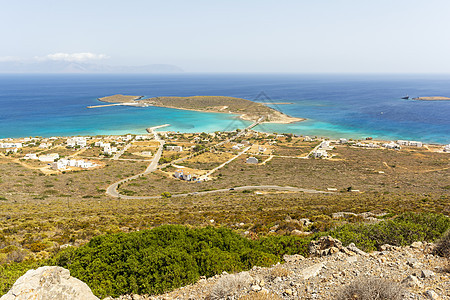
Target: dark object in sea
<point>406,97</point>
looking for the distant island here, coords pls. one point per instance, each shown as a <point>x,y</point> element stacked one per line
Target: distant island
<point>248,110</point>
<point>435,98</point>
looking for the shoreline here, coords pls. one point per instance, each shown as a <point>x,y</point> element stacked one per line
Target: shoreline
<point>276,116</point>
<point>287,120</point>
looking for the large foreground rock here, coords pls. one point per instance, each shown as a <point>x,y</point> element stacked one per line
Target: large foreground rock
<point>49,283</point>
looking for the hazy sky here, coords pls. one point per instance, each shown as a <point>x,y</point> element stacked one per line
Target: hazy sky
<point>301,36</point>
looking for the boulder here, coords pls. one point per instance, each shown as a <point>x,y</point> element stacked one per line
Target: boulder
<point>49,283</point>
<point>322,246</point>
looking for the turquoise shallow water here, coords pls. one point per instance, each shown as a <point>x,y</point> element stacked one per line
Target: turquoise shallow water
<point>335,105</point>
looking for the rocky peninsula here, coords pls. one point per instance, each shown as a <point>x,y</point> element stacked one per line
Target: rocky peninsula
<point>434,98</point>
<point>248,110</point>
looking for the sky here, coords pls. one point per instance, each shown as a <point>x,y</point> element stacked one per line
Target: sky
<point>287,36</point>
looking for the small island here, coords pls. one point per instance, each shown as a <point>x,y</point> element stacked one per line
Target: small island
<point>434,98</point>
<point>248,110</point>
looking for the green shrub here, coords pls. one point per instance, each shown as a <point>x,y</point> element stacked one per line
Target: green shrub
<point>400,231</point>
<point>443,246</point>
<point>155,261</point>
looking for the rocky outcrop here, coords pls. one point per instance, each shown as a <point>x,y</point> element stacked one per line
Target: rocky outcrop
<point>49,283</point>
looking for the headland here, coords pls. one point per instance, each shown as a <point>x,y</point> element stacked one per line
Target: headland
<point>248,110</point>
<point>434,98</point>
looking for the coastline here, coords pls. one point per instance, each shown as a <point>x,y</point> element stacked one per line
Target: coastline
<point>274,116</point>
<point>284,119</point>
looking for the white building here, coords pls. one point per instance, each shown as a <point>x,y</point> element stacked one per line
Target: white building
<point>447,148</point>
<point>174,148</point>
<point>308,139</point>
<point>343,141</point>
<point>183,175</point>
<point>325,145</point>
<point>252,160</point>
<point>391,145</point>
<point>76,141</point>
<point>44,145</point>
<point>49,157</point>
<point>410,143</point>
<point>11,145</point>
<point>320,153</point>
<point>415,144</point>
<point>62,164</point>
<point>142,137</point>
<point>31,156</point>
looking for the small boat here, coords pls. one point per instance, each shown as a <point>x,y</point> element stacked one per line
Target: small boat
<point>406,97</point>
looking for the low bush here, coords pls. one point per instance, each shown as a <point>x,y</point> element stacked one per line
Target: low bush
<point>399,231</point>
<point>371,289</point>
<point>229,285</point>
<point>443,246</point>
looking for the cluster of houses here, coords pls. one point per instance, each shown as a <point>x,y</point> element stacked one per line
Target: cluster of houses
<point>321,150</point>
<point>107,148</point>
<point>11,147</point>
<point>369,145</point>
<point>64,164</point>
<point>78,141</point>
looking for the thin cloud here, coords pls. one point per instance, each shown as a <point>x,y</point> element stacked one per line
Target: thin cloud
<point>73,57</point>
<point>9,58</point>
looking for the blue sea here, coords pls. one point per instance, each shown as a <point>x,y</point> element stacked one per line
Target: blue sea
<point>352,106</point>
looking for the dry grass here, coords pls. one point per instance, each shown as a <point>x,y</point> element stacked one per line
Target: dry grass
<point>261,296</point>
<point>229,285</point>
<point>371,289</point>
<point>279,271</point>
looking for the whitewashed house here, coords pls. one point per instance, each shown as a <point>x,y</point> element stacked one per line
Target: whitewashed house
<point>320,153</point>
<point>142,137</point>
<point>343,141</point>
<point>261,149</point>
<point>391,145</point>
<point>49,157</point>
<point>11,145</point>
<point>183,175</point>
<point>446,148</point>
<point>30,156</point>
<point>403,143</point>
<point>174,148</point>
<point>44,145</point>
<point>415,144</point>
<point>76,141</point>
<point>252,160</point>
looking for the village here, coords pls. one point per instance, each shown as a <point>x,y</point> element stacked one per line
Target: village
<point>190,157</point>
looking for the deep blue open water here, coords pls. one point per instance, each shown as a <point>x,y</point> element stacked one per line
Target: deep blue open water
<point>354,106</point>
